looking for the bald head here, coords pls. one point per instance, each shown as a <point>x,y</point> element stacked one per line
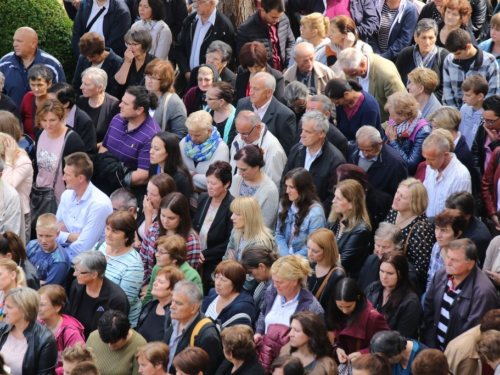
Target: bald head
<point>25,43</point>
<point>304,57</point>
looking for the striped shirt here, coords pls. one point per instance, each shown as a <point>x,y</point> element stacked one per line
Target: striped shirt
<point>444,318</point>
<point>387,17</point>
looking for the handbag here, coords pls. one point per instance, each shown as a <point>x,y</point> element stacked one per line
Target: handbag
<point>43,199</point>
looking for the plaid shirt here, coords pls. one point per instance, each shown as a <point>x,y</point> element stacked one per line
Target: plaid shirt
<point>435,264</point>
<point>485,64</point>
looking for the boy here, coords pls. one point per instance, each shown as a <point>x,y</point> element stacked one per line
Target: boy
<point>474,89</point>
<point>51,261</point>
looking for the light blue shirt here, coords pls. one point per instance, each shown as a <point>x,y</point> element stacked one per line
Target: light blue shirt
<point>199,36</point>
<point>86,216</point>
<point>176,337</point>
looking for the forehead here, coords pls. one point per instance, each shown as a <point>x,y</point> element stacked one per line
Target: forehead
<point>315,104</point>
<point>456,253</point>
<point>308,125</point>
<point>128,99</point>
<point>258,81</point>
<point>180,297</point>
<point>426,34</point>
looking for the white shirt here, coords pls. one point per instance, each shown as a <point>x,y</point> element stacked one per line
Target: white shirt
<point>97,27</point>
<point>262,110</point>
<point>455,177</point>
<point>365,82</point>
<point>199,36</point>
<point>310,158</point>
<point>281,312</point>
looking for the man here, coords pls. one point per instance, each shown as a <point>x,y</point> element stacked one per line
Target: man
<point>186,318</point>
<point>198,31</point>
<point>384,165</point>
<point>279,119</point>
<point>311,73</point>
<point>461,351</point>
<point>424,54</point>
<point>445,174</point>
<point>124,200</point>
<point>295,96</point>
<point>270,26</point>
<point>15,65</point>
<point>376,75</point>
<point>458,297</point>
<point>465,60</point>
<point>109,18</point>
<point>252,131</point>
<point>11,215</point>
<point>130,133</point>
<point>83,209</point>
<point>317,155</point>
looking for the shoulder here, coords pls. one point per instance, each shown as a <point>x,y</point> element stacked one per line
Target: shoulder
<point>49,59</point>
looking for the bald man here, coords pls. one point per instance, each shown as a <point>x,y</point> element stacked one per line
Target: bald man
<point>311,73</point>
<point>15,65</point>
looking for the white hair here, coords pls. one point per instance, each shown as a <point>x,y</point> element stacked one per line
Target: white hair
<point>370,132</point>
<point>350,58</point>
<point>98,76</point>
<point>270,80</point>
<point>320,121</point>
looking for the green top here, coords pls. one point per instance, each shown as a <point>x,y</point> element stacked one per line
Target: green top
<point>190,273</point>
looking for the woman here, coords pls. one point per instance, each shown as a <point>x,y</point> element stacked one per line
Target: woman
<point>124,265</point>
<point>138,42</point>
<point>355,107</point>
<point>353,320</point>
<point>171,112</point>
<point>153,358</point>
<point>155,314</point>
<point>310,343</point>
<point>324,257</point>
<point>398,349</point>
<point>67,330</point>
<point>225,304</point>
<point>248,228</point>
<point>196,97</point>
<point>422,82</point>
<point>371,364</point>
<point>53,144</point>
<point>201,147</point>
<point>12,247</point>
<point>287,365</point>
<point>300,213</point>
<point>252,182</point>
<point>351,226</point>
<point>75,354</point>
<point>11,276</point>
<point>191,361</point>
<point>18,173</point>
<point>220,95</point>
<point>212,220</point>
<point>239,350</point>
<point>96,102</point>
<point>166,157</point>
<point>40,79</point>
<point>9,124</point>
<point>492,45</point>
<point>407,129</point>
<point>27,345</point>
<point>408,213</point>
<point>449,224</point>
<point>151,18</point>
<point>456,15</point>
<point>433,10</point>
<point>394,295</point>
<point>253,59</point>
<point>488,350</point>
<point>314,28</point>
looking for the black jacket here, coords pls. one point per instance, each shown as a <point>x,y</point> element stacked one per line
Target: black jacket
<point>244,76</point>
<point>117,22</point>
<point>251,366</point>
<point>378,205</point>
<point>31,274</point>
<point>84,127</point>
<point>109,109</point>
<point>327,293</point>
<point>322,169</point>
<point>41,356</point>
<point>387,172</point>
<point>480,18</point>
<point>478,151</point>
<point>222,30</point>
<point>207,339</point>
<point>225,76</point>
<point>478,232</point>
<point>253,30</point>
<point>7,104</point>
<point>334,135</point>
<point>146,309</point>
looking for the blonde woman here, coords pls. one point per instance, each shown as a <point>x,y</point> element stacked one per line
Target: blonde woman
<point>248,228</point>
<point>422,82</point>
<point>11,276</point>
<point>351,226</point>
<point>314,29</point>
<point>17,172</point>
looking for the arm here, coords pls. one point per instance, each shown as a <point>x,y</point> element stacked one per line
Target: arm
<point>375,324</point>
<point>122,74</point>
<point>209,341</point>
<point>78,30</point>
<point>230,247</point>
<point>415,155</point>
<point>316,221</point>
<point>179,52</point>
<point>148,297</point>
<point>77,78</point>
<point>72,336</point>
<point>139,177</point>
<point>147,252</point>
<point>370,23</point>
<point>487,186</point>
<point>405,37</point>
<point>16,173</point>
<point>46,357</point>
<point>241,39</point>
<point>409,318</point>
<point>286,133</point>
<point>493,81</point>
<point>290,42</point>
<point>176,118</point>
<point>95,221</point>
<point>13,218</point>
<point>355,248</point>
<point>120,25</point>
<point>194,250</point>
<point>281,241</point>
<point>131,281</point>
<point>479,18</point>
<point>448,97</point>
<point>164,43</point>
<point>428,333</point>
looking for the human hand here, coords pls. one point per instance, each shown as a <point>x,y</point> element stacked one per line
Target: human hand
<point>128,56</point>
<point>9,145</point>
<point>495,277</point>
<point>256,337</point>
<point>147,207</point>
<point>62,227</point>
<point>341,355</point>
<point>187,75</point>
<point>391,133</point>
<point>495,220</point>
<point>231,255</point>
<point>492,133</point>
<point>349,40</point>
<point>202,258</point>
<point>354,355</point>
<point>143,292</point>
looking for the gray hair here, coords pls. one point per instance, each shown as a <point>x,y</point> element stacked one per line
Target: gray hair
<point>437,140</point>
<point>250,117</point>
<point>92,261</point>
<point>296,90</point>
<point>140,35</point>
<point>370,132</point>
<point>98,76</point>
<point>327,105</point>
<point>426,24</point>
<point>2,78</point>
<point>320,121</point>
<point>129,199</point>
<point>224,49</point>
<point>350,58</point>
<point>270,80</point>
<point>27,301</point>
<point>304,46</point>
<point>391,232</point>
<point>191,290</point>
<point>40,71</point>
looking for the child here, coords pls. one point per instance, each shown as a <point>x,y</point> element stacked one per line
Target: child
<point>51,261</point>
<point>492,45</point>
<point>474,90</point>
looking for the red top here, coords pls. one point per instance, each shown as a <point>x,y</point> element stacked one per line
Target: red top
<point>27,114</point>
<point>275,44</point>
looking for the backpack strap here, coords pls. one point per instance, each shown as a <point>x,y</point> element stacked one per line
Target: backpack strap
<point>234,318</point>
<point>419,126</point>
<point>197,328</point>
<point>325,281</point>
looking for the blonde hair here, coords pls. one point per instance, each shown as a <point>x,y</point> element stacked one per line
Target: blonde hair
<point>325,239</point>
<point>318,22</point>
<point>78,353</point>
<point>292,267</point>
<point>418,195</point>
<point>48,221</point>
<point>353,192</point>
<point>199,121</point>
<point>424,77</point>
<point>403,103</point>
<point>19,150</point>
<point>11,266</point>
<point>441,139</point>
<point>445,117</point>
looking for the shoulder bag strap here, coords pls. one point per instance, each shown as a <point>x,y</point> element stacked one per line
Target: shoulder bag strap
<point>164,118</point>
<point>61,157</point>
<point>236,317</point>
<point>197,329</point>
<point>325,281</point>
<point>409,235</point>
<point>33,114</point>
<point>89,26</point>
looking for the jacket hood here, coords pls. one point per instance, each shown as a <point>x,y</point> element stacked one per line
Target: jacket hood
<point>70,321</point>
<point>214,70</point>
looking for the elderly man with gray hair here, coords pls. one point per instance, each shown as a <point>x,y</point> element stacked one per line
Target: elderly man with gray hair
<point>190,327</point>
<point>316,154</point>
<point>92,293</point>
<point>11,212</point>
<point>384,165</point>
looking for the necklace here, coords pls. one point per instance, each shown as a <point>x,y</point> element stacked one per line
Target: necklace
<point>402,220</point>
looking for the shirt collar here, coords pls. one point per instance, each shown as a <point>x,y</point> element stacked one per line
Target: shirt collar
<point>318,153</point>
<point>296,298</point>
<point>363,157</point>
<point>106,4</point>
<point>211,19</point>
<point>264,108</point>
<point>70,120</point>
<point>175,324</point>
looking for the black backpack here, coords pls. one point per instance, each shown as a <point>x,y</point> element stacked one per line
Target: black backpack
<point>108,173</point>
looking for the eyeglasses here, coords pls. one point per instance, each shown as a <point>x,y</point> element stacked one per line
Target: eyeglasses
<point>132,45</point>
<point>148,76</point>
<point>78,272</point>
<point>198,2</point>
<point>491,122</point>
<point>161,252</point>
<point>246,134</point>
<point>207,98</point>
<point>296,106</point>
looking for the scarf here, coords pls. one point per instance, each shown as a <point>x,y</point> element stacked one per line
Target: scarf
<point>206,150</point>
<point>406,128</point>
<point>425,62</point>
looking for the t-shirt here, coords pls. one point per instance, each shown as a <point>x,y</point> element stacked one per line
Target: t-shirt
<point>83,317</point>
<point>153,327</point>
<point>51,267</point>
<point>467,63</point>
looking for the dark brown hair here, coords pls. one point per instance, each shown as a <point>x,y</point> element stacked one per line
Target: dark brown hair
<point>178,204</point>
<point>251,155</point>
<point>176,246</point>
<point>233,271</point>
<point>374,364</point>
<point>91,44</point>
<point>12,243</point>
<point>314,328</point>
<point>192,361</point>
<point>430,361</point>
<point>164,183</point>
<point>238,341</point>
<point>452,217</point>
<point>221,170</point>
<point>172,274</point>
<point>252,54</point>
<point>82,164</point>
<point>123,221</point>
<point>56,294</point>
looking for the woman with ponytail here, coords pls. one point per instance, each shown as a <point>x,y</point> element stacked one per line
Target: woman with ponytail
<point>12,247</point>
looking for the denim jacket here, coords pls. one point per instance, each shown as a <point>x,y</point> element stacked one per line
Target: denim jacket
<point>315,219</point>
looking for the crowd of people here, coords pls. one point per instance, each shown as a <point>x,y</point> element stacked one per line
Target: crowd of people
<point>314,191</point>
